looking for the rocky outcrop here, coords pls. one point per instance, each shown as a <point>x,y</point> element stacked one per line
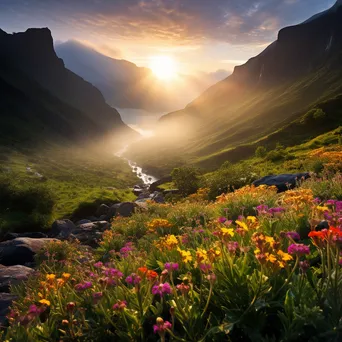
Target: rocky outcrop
<point>21,251</point>
<point>282,182</point>
<point>62,229</point>
<point>13,275</point>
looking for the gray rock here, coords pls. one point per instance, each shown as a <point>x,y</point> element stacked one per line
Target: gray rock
<point>6,300</point>
<point>82,221</point>
<point>62,229</point>
<point>282,182</point>
<point>102,218</point>
<point>157,197</point>
<point>35,235</point>
<point>112,211</point>
<point>21,251</point>
<point>13,275</point>
<point>102,210</point>
<point>126,209</point>
<point>322,225</point>
<point>154,186</point>
<point>171,191</point>
<point>98,225</point>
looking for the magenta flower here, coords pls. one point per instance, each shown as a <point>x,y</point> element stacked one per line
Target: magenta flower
<point>133,279</point>
<point>304,266</point>
<point>232,246</point>
<point>276,210</point>
<point>83,286</point>
<point>124,251</point>
<point>183,289</point>
<point>222,219</point>
<point>99,264</point>
<point>113,272</point>
<point>293,235</point>
<point>161,327</point>
<point>161,289</point>
<point>205,267</point>
<point>171,266</point>
<point>298,249</point>
<point>120,305</point>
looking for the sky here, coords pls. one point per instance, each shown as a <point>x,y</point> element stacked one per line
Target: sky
<point>200,35</point>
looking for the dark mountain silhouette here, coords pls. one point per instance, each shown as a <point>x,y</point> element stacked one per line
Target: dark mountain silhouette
<point>300,70</point>
<point>40,97</point>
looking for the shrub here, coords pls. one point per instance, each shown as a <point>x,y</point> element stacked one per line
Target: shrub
<point>261,152</point>
<point>186,179</point>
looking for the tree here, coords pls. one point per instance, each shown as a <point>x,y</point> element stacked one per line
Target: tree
<point>261,152</point>
<point>186,179</point>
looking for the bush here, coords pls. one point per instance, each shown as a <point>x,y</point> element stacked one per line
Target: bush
<point>261,152</point>
<point>316,114</point>
<point>186,179</point>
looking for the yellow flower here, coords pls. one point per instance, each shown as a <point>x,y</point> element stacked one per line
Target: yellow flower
<point>201,255</point>
<point>269,240</point>
<point>284,256</point>
<point>66,276</point>
<point>252,219</point>
<point>320,208</point>
<point>186,255</point>
<point>171,241</point>
<point>40,295</point>
<point>45,302</point>
<point>270,257</point>
<point>213,254</point>
<point>242,224</point>
<point>60,282</point>
<point>50,277</point>
<point>227,232</point>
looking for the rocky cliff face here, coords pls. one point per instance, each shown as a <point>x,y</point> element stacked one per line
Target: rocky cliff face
<point>32,53</point>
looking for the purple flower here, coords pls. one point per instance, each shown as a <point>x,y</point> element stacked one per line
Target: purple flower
<point>293,235</point>
<point>161,289</point>
<point>97,296</point>
<point>113,272</point>
<point>33,309</point>
<point>83,286</point>
<point>304,266</point>
<point>276,210</point>
<point>232,246</point>
<point>317,200</point>
<point>338,206</point>
<point>262,209</point>
<point>222,219</point>
<point>99,264</point>
<point>133,279</point>
<point>124,251</point>
<point>120,305</point>
<point>330,202</point>
<point>298,249</point>
<point>171,266</point>
<point>205,267</point>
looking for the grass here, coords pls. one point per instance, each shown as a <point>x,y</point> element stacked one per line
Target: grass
<point>74,178</point>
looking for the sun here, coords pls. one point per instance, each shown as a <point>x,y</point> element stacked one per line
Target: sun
<point>163,67</point>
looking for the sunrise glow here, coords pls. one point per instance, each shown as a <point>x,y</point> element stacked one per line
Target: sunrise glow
<point>163,67</point>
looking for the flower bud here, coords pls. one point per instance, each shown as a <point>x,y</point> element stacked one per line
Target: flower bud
<point>71,306</point>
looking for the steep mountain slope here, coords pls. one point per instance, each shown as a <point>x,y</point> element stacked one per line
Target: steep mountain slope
<point>125,85</point>
<point>301,69</point>
<point>40,96</point>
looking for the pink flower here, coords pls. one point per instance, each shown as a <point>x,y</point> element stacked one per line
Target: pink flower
<point>120,305</point>
<point>232,246</point>
<point>205,267</point>
<point>97,296</point>
<point>293,235</point>
<point>98,264</point>
<point>298,249</point>
<point>133,279</point>
<point>83,286</point>
<point>222,219</point>
<point>113,272</point>
<point>161,289</point>
<point>170,266</point>
<point>183,289</point>
<point>161,326</point>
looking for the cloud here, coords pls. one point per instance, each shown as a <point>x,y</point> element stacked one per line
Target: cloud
<point>188,22</point>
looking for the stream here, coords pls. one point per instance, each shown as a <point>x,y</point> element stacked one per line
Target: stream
<point>146,178</point>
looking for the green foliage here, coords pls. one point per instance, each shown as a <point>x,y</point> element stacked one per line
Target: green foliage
<point>316,114</point>
<point>261,152</point>
<point>186,179</point>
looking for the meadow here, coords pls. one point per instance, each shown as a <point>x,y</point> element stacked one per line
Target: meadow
<point>253,265</point>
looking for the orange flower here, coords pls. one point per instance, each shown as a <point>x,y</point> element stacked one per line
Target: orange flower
<point>151,275</point>
<point>142,270</point>
<point>314,234</point>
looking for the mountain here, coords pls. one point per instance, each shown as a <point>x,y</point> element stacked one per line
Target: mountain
<point>301,70</point>
<point>41,99</point>
<point>125,85</point>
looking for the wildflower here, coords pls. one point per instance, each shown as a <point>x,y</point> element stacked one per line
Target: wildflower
<point>133,279</point>
<point>71,306</point>
<point>232,246</point>
<point>97,296</point>
<point>66,276</point>
<point>124,251</point>
<point>298,249</point>
<point>65,322</point>
<point>222,219</point>
<point>186,255</point>
<point>83,286</point>
<point>205,267</point>
<point>142,270</point>
<point>98,264</point>
<point>293,235</point>
<point>252,219</point>
<point>212,278</point>
<point>213,254</point>
<point>201,255</point>
<point>34,309</point>
<point>284,256</point>
<point>304,266</point>
<point>270,257</point>
<point>151,275</point>
<point>161,289</point>
<point>50,277</point>
<point>161,327</point>
<point>170,266</point>
<point>242,225</point>
<point>183,289</point>
<point>113,272</point>
<point>45,302</point>
<point>120,305</point>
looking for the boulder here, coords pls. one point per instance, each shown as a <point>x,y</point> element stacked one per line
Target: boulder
<point>102,210</point>
<point>21,251</point>
<point>62,229</point>
<point>126,209</point>
<point>98,225</point>
<point>171,192</point>
<point>13,275</point>
<point>143,195</point>
<point>112,211</point>
<point>35,235</point>
<point>322,225</point>
<point>157,197</point>
<point>6,300</point>
<point>82,221</point>
<point>282,182</point>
